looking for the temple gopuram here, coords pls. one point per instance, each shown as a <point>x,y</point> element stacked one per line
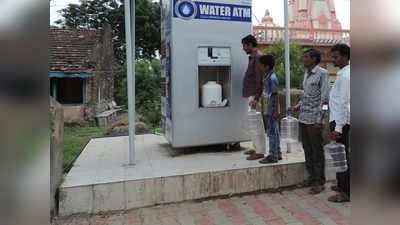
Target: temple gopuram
<point>312,23</point>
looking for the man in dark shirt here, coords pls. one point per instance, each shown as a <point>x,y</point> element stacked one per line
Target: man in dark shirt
<point>252,82</point>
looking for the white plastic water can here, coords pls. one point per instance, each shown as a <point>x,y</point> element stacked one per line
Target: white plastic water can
<point>335,156</point>
<point>255,128</point>
<point>211,94</point>
<point>289,129</point>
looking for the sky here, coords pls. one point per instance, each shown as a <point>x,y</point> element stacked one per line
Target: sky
<point>56,5</point>
<point>275,8</point>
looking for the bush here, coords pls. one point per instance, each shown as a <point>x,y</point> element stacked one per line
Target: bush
<point>297,68</point>
<point>148,89</point>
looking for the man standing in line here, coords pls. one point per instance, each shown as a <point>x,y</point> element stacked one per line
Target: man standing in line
<point>252,83</point>
<point>316,91</point>
<point>339,119</point>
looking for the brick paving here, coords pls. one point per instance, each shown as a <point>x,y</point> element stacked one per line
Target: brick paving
<point>292,207</point>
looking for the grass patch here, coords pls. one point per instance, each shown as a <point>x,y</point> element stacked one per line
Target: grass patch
<point>156,130</point>
<point>76,137</point>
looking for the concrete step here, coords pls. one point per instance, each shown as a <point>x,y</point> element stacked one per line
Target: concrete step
<point>101,179</point>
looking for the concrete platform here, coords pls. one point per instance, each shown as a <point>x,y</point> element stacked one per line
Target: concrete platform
<point>101,179</point>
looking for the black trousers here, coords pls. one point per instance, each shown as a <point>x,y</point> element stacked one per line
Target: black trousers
<point>314,154</point>
<point>343,179</point>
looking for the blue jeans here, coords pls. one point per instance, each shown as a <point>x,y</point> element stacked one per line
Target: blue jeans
<point>273,136</point>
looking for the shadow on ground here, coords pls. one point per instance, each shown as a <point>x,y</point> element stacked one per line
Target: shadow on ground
<point>220,148</point>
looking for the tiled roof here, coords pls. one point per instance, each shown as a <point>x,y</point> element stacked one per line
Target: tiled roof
<point>71,49</point>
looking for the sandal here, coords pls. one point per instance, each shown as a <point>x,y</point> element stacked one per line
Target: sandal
<point>269,159</point>
<point>335,188</point>
<point>249,152</point>
<point>306,183</point>
<point>317,189</point>
<point>255,156</point>
<point>341,197</point>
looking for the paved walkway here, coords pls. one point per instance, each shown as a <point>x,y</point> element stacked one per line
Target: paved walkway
<point>293,207</point>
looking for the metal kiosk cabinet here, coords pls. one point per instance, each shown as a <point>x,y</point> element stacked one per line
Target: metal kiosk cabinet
<point>201,42</point>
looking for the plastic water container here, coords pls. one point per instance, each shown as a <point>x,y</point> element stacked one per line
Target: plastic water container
<point>211,94</point>
<point>255,122</point>
<point>259,142</point>
<point>254,127</point>
<point>289,129</point>
<point>335,156</point>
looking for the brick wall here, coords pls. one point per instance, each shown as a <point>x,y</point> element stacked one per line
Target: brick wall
<point>73,114</point>
<point>101,85</point>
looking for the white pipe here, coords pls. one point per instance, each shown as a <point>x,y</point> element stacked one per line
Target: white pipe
<point>130,62</point>
<point>287,53</point>
<point>287,63</point>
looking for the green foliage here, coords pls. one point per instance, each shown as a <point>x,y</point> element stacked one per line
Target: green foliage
<point>296,62</point>
<point>76,137</point>
<point>93,13</point>
<point>156,130</point>
<point>148,89</point>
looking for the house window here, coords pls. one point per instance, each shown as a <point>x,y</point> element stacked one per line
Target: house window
<point>68,91</point>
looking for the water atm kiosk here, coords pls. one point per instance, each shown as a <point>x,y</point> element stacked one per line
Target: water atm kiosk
<point>203,65</point>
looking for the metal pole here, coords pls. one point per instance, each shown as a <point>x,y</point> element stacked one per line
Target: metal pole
<point>287,62</point>
<point>287,52</point>
<point>130,62</point>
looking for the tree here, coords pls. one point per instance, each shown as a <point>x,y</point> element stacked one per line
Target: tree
<point>148,96</point>
<point>296,63</point>
<point>93,13</point>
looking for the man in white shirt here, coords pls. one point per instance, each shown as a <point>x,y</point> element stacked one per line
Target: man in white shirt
<point>339,119</point>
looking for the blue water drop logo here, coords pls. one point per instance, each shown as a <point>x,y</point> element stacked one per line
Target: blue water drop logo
<point>185,9</point>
